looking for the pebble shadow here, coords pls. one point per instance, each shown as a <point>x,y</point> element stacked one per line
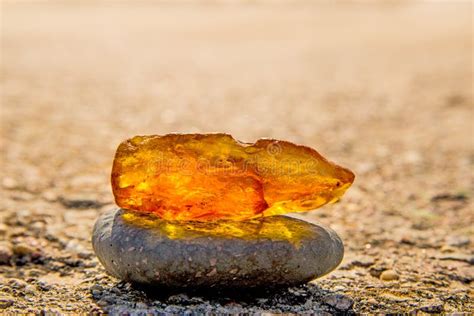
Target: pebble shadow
<point>125,298</point>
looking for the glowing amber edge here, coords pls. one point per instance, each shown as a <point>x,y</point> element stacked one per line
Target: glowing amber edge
<point>270,211</point>
<point>275,228</point>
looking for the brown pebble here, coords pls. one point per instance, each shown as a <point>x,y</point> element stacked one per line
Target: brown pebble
<point>6,301</point>
<point>5,253</point>
<point>23,249</point>
<point>389,275</point>
<point>447,249</point>
<point>3,229</point>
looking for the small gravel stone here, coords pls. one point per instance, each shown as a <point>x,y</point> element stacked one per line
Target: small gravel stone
<point>339,301</point>
<point>6,253</point>
<point>17,284</point>
<point>3,229</point>
<point>372,301</point>
<point>447,249</point>
<point>360,261</point>
<point>433,308</point>
<point>173,309</point>
<point>389,275</point>
<point>141,305</point>
<point>23,249</point>
<point>30,290</point>
<point>96,290</point>
<point>338,288</point>
<point>457,241</point>
<point>459,257</point>
<point>79,202</point>
<point>97,287</point>
<point>6,301</point>
<point>178,299</point>
<point>43,286</point>
<point>102,303</point>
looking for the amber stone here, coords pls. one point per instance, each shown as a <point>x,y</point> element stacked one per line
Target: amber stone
<point>212,176</point>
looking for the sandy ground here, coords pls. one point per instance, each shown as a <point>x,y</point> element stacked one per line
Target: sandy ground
<point>384,89</point>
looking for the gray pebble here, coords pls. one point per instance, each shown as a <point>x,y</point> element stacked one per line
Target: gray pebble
<point>274,251</point>
<point>434,308</point>
<point>97,287</point>
<point>141,305</point>
<point>459,257</point>
<point>339,301</point>
<point>457,241</point>
<point>17,284</point>
<point>23,249</point>
<point>182,299</point>
<point>43,286</point>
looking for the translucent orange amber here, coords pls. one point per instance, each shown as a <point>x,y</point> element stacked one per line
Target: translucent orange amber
<point>208,177</point>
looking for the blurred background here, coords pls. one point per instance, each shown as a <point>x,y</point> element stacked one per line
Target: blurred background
<point>384,88</point>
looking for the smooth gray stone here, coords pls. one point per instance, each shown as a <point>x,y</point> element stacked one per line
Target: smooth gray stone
<point>269,252</point>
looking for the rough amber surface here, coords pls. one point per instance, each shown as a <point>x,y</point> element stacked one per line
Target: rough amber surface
<point>212,176</point>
